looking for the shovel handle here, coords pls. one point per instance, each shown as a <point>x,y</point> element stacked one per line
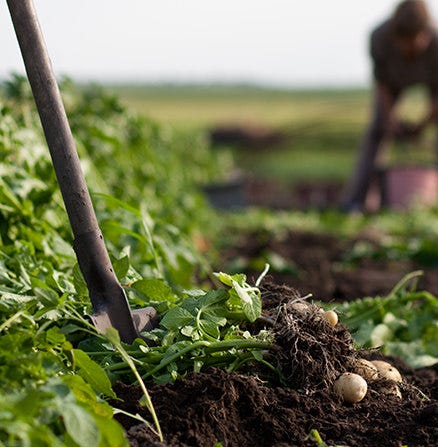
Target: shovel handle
<point>53,117</point>
<point>106,293</point>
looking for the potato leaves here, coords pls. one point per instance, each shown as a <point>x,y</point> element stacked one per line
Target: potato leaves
<point>242,296</point>
<point>202,317</point>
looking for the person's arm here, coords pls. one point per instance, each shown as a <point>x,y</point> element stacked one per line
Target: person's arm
<point>387,100</point>
<point>394,127</point>
<point>385,96</point>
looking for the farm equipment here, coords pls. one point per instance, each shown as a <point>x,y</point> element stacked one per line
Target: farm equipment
<point>109,301</point>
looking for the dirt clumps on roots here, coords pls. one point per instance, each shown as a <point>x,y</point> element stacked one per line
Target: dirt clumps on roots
<point>308,351</point>
<point>251,408</point>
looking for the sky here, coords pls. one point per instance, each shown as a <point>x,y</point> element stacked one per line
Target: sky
<point>272,42</point>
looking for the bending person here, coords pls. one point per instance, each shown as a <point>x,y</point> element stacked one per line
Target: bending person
<point>404,52</point>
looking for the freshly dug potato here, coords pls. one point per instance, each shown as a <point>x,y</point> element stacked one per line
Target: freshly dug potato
<point>351,387</point>
<point>366,369</point>
<point>331,317</point>
<point>387,371</point>
<point>391,390</point>
<point>300,306</point>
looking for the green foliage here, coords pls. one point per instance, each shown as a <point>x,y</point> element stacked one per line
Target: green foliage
<point>201,330</point>
<point>52,415</point>
<point>43,403</point>
<point>144,179</point>
<point>52,392</point>
<point>404,323</point>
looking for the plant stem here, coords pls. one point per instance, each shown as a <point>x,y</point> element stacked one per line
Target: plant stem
<point>209,347</point>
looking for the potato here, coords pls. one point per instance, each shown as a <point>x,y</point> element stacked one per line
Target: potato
<point>387,371</point>
<point>391,390</point>
<point>366,369</point>
<point>351,387</point>
<point>300,307</point>
<point>331,317</point>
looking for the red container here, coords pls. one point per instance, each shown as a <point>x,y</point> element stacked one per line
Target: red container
<point>406,186</point>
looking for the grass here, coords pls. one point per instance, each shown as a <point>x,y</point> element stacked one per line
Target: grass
<point>199,106</point>
<point>323,126</point>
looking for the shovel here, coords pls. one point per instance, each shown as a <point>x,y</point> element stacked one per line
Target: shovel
<point>110,305</point>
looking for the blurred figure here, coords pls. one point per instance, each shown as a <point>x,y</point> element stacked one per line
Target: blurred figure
<point>404,52</point>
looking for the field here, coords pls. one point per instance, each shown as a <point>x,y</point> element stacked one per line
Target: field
<point>322,127</point>
<point>261,309</point>
<point>301,115</point>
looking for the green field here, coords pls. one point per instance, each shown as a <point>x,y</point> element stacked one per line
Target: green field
<point>323,127</point>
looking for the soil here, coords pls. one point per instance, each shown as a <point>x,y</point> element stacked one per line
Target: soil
<point>251,408</point>
<point>318,264</point>
<point>248,137</point>
<point>272,194</point>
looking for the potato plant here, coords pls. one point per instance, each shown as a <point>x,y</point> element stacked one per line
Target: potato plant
<point>53,393</point>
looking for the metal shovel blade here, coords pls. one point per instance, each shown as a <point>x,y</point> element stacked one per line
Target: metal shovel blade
<point>144,320</point>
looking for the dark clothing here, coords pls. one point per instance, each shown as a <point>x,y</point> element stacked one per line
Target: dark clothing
<point>393,70</point>
<point>369,147</point>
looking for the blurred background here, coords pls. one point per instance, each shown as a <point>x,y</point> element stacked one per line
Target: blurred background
<point>275,43</point>
<point>283,85</point>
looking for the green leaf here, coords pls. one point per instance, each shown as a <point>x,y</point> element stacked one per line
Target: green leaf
<point>154,289</point>
<point>253,309</point>
<point>210,328</point>
<point>80,425</point>
<point>176,318</point>
<point>212,297</point>
<point>121,267</point>
<point>250,301</point>
<point>227,279</point>
<point>363,334</point>
<point>54,336</point>
<point>92,373</point>
<point>79,281</point>
<point>117,203</point>
<point>112,434</point>
<point>81,390</point>
<point>430,339</point>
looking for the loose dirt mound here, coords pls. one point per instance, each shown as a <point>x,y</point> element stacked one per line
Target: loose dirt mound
<point>216,406</point>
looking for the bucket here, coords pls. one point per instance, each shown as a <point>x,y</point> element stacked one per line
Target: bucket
<point>406,186</point>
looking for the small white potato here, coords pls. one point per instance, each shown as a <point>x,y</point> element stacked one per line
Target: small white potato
<point>331,317</point>
<point>351,387</point>
<point>391,390</point>
<point>387,371</point>
<point>300,307</point>
<point>366,369</point>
